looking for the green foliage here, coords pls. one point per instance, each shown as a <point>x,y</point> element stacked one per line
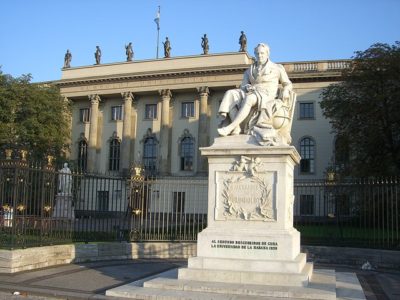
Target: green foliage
<point>32,116</point>
<point>364,110</point>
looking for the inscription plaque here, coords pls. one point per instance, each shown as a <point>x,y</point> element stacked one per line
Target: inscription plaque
<point>245,245</point>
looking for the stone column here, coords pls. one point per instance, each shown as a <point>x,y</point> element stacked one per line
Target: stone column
<point>94,116</point>
<point>134,117</point>
<point>203,134</point>
<point>126,132</point>
<point>165,132</point>
<point>68,116</point>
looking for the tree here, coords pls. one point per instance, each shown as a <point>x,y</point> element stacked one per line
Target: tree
<point>364,110</point>
<point>34,117</point>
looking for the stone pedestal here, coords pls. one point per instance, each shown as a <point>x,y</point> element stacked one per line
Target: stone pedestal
<point>250,236</point>
<point>250,249</point>
<point>63,208</point>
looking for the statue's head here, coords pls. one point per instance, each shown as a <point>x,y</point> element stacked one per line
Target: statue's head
<point>261,51</point>
<point>65,165</point>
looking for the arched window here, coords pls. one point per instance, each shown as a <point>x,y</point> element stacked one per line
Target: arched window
<point>115,154</point>
<point>186,151</point>
<point>149,158</point>
<point>187,154</point>
<point>82,154</point>
<point>150,154</point>
<point>307,153</point>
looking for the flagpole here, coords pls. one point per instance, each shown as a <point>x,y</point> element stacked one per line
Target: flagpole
<point>158,38</point>
<point>158,29</point>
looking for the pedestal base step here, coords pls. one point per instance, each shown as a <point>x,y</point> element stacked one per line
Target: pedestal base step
<point>250,265</point>
<point>323,286</point>
<point>244,277</point>
<point>156,294</point>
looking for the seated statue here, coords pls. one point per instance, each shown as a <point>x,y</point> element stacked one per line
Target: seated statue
<point>259,107</point>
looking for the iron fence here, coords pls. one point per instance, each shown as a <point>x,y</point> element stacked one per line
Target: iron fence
<point>36,210</point>
<point>350,212</point>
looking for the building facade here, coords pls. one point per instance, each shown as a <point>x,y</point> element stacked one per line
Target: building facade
<point>160,112</point>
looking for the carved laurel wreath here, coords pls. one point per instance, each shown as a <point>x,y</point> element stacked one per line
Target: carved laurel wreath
<point>263,209</point>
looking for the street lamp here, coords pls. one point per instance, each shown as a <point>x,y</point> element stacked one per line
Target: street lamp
<point>330,175</point>
<point>136,193</point>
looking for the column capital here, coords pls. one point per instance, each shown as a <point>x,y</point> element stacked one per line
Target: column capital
<point>94,99</point>
<point>203,90</point>
<point>165,93</point>
<point>127,96</point>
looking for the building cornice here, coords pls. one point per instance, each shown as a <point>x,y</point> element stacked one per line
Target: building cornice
<point>148,76</point>
<point>190,66</point>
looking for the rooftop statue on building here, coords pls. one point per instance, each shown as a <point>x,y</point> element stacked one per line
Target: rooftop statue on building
<point>167,48</point>
<point>204,44</point>
<point>243,42</point>
<point>97,55</point>
<point>67,59</point>
<point>260,107</point>
<point>129,52</point>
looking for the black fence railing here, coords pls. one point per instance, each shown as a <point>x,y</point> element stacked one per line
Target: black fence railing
<point>358,213</point>
<point>44,206</point>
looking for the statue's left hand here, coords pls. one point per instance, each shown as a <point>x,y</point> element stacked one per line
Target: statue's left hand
<point>285,95</point>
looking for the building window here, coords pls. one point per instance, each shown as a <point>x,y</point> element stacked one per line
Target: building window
<point>102,201</point>
<point>150,154</point>
<point>187,154</point>
<point>307,153</point>
<point>306,110</point>
<point>151,111</point>
<point>84,115</point>
<point>179,203</point>
<point>187,109</point>
<point>306,205</point>
<point>82,155</point>
<point>115,153</point>
<point>116,113</point>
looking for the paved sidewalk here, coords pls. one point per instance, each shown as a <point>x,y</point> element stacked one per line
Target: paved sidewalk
<point>377,284</point>
<point>81,281</point>
<point>91,280</point>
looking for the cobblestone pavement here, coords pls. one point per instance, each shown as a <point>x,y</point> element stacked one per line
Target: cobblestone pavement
<point>91,280</point>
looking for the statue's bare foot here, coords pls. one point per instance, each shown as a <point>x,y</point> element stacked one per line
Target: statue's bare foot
<point>223,131</point>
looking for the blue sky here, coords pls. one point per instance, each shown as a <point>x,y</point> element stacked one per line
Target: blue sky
<point>35,34</point>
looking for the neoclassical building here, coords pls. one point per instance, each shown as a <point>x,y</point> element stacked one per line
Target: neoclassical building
<point>159,112</point>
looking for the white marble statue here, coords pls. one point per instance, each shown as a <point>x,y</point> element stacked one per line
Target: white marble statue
<point>259,107</point>
<point>65,181</point>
